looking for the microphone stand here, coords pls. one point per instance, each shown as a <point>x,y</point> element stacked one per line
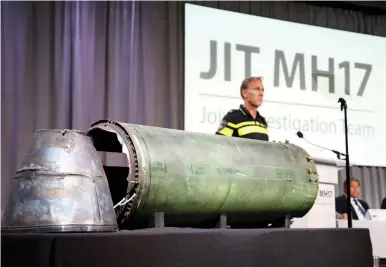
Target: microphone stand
<point>343,106</point>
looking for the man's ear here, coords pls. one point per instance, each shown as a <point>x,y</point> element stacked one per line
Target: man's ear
<point>243,93</point>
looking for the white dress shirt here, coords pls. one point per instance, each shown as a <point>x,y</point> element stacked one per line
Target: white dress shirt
<point>357,208</point>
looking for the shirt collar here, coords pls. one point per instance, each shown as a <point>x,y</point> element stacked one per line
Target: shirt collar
<point>350,197</point>
<point>246,112</point>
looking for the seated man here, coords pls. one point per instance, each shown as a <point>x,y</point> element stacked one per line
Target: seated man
<point>383,205</point>
<point>359,207</point>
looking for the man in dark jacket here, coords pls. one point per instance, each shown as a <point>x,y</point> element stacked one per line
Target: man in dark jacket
<point>383,205</point>
<point>359,206</point>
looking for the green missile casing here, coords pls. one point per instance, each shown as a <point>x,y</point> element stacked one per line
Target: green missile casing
<point>180,172</point>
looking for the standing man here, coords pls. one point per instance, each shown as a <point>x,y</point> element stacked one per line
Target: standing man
<point>246,122</point>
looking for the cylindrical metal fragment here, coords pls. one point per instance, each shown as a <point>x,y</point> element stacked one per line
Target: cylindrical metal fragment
<point>193,174</point>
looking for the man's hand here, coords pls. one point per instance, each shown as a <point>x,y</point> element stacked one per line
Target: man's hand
<point>343,216</point>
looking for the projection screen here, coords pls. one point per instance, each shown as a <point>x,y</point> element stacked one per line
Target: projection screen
<point>306,69</point>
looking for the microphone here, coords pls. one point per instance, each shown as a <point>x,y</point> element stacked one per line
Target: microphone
<point>338,154</point>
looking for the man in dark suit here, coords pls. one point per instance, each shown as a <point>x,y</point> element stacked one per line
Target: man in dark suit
<point>383,205</point>
<point>359,206</point>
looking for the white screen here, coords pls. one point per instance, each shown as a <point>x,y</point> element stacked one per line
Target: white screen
<point>354,62</point>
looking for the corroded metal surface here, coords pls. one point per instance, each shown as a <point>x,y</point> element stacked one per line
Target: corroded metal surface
<point>61,186</point>
<point>180,172</point>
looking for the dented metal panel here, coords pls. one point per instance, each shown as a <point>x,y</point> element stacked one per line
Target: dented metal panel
<point>60,187</point>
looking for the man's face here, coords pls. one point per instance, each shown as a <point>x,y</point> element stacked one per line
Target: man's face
<point>355,189</point>
<point>254,93</point>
